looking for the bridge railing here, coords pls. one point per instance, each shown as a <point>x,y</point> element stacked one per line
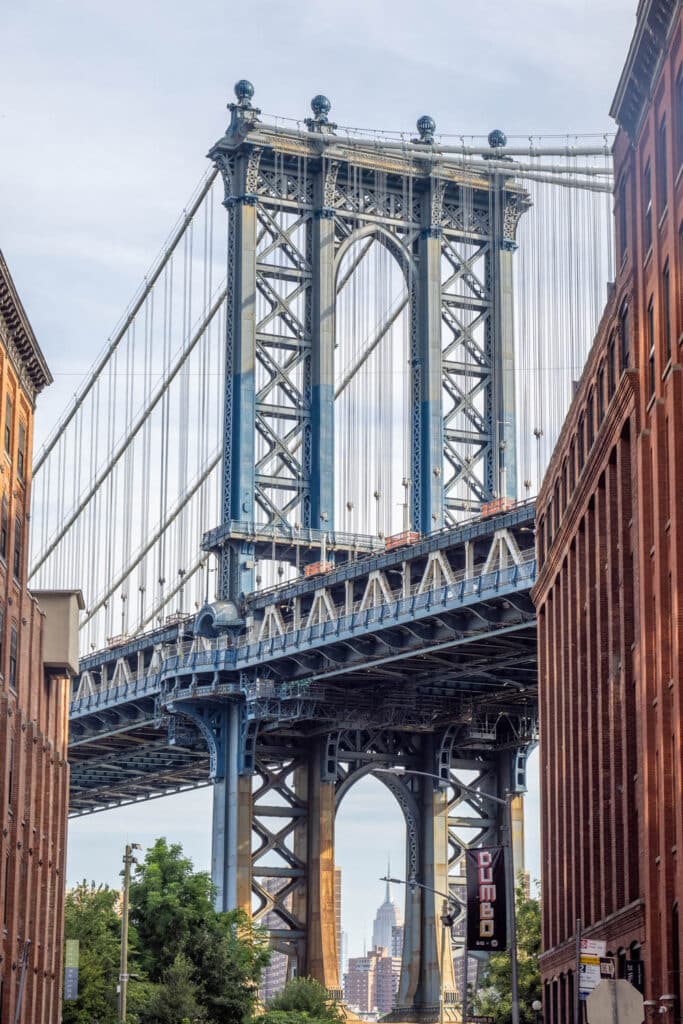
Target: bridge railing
<point>201,651</point>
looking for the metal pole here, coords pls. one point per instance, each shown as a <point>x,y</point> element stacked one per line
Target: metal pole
<point>513,913</point>
<point>128,860</point>
<point>465,993</point>
<point>443,961</point>
<point>577,975</point>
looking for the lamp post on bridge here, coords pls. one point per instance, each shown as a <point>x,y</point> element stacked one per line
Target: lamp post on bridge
<point>505,802</point>
<point>447,920</point>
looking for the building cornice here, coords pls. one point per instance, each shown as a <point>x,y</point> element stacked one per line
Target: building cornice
<point>21,342</point>
<point>653,24</point>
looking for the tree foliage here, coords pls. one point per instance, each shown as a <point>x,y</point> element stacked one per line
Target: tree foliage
<point>90,916</point>
<point>191,963</point>
<point>302,1001</point>
<point>494,995</point>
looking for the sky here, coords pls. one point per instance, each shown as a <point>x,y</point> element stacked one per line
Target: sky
<point>106,112</point>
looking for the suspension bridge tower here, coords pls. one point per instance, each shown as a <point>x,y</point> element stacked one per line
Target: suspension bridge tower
<point>302,205</point>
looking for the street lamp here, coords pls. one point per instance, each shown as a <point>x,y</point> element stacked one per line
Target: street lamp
<point>509,866</point>
<point>447,920</point>
<point>128,860</point>
<point>537,1006</point>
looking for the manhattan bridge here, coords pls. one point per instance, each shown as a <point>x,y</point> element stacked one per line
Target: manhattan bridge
<point>296,492</point>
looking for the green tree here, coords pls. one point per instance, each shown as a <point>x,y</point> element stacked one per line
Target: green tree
<point>173,915</point>
<point>176,1000</point>
<point>90,917</point>
<point>494,996</point>
<point>302,1001</point>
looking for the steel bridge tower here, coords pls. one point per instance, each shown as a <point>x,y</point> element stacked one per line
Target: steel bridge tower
<point>297,201</point>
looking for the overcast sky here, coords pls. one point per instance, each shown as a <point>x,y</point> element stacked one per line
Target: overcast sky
<point>106,112</point>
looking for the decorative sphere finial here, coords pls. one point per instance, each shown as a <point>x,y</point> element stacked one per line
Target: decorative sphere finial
<point>497,139</point>
<point>426,126</point>
<point>244,91</point>
<point>321,106</point>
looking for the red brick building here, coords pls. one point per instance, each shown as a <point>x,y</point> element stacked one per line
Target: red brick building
<point>36,653</point>
<point>610,588</point>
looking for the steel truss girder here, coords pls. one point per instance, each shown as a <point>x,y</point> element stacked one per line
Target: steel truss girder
<point>293,213</point>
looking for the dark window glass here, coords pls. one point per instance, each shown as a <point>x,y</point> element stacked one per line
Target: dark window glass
<point>611,374</point>
<point>601,394</point>
<point>16,567</point>
<point>565,494</point>
<point>572,467</point>
<point>623,220</point>
<point>8,425</point>
<point>13,657</point>
<point>661,166</point>
<point>666,311</point>
<point>624,335</point>
<point>21,453</point>
<point>647,207</point>
<point>10,777</point>
<point>590,428</point>
<point>651,344</point>
<point>580,442</point>
<point>3,528</point>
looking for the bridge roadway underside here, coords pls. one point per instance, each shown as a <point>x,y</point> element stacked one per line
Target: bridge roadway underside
<point>411,648</point>
<point>423,658</point>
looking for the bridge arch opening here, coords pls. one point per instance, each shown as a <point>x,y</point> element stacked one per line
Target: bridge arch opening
<point>372,384</point>
<point>370,839</point>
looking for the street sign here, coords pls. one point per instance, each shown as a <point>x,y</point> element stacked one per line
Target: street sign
<point>592,952</point>
<point>615,1002</point>
<point>593,947</point>
<point>608,967</point>
<point>71,969</point>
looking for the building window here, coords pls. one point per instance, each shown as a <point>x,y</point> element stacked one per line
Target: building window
<point>679,117</point>
<point>666,312</point>
<point>4,515</point>
<point>8,425</point>
<point>623,220</point>
<point>13,657</point>
<point>590,427</point>
<point>647,207</point>
<point>601,393</point>
<point>661,167</point>
<point>611,374</point>
<point>572,467</point>
<point>580,442</point>
<point>651,344</point>
<point>10,776</point>
<point>21,453</point>
<point>16,567</point>
<point>624,335</point>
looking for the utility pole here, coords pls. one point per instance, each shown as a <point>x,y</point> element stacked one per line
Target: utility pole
<point>128,860</point>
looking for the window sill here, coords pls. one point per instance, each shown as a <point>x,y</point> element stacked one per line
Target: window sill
<point>662,217</point>
<point>648,256</point>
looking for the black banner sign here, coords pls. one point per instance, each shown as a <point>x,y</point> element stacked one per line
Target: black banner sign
<point>634,972</point>
<point>486,906</point>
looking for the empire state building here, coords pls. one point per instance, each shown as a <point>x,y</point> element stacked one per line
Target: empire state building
<point>388,919</point>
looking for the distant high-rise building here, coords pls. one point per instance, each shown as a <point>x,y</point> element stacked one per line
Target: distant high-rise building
<point>388,917</point>
<point>371,982</point>
<point>337,919</point>
<point>275,975</point>
<point>397,940</point>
